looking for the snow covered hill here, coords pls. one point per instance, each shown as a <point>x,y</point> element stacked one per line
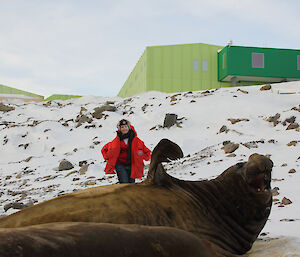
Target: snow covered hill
<point>215,129</point>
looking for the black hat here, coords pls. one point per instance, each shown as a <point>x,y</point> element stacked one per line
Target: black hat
<point>123,122</point>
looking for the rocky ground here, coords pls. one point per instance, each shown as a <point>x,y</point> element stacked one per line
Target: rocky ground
<point>53,148</point>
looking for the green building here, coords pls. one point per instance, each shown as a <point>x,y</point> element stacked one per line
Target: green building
<point>192,67</point>
<point>254,64</point>
<point>10,92</point>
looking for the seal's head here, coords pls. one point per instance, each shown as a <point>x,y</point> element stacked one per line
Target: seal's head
<point>257,173</point>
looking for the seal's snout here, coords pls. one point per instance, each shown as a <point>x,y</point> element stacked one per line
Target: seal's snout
<point>262,162</point>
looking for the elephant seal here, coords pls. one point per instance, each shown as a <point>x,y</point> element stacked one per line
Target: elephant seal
<point>228,212</point>
<point>75,239</point>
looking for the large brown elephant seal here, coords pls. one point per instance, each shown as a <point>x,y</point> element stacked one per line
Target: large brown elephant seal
<point>76,239</point>
<point>228,212</point>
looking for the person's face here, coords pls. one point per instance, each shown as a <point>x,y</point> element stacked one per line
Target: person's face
<point>124,129</point>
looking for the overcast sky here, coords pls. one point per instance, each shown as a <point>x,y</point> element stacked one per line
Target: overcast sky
<point>89,47</point>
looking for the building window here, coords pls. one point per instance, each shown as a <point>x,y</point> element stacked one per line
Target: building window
<point>258,60</point>
<point>224,61</point>
<point>205,65</point>
<point>195,64</point>
<point>298,62</point>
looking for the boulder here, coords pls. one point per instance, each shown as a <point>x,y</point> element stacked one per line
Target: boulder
<point>17,205</point>
<point>97,114</point>
<point>170,120</point>
<point>292,126</point>
<point>230,147</point>
<point>65,165</point>
<point>6,108</point>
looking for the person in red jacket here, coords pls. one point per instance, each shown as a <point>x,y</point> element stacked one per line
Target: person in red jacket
<point>125,154</point>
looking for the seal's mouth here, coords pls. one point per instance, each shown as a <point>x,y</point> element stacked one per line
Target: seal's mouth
<point>260,183</point>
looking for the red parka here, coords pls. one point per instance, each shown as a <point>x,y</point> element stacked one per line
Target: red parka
<point>139,153</point>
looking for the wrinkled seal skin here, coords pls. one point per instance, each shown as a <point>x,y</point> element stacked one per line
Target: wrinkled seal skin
<point>75,239</point>
<point>227,212</point>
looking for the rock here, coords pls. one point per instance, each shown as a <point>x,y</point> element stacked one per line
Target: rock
<point>83,169</point>
<point>275,191</point>
<point>243,91</point>
<point>106,108</point>
<point>90,126</point>
<point>296,108</point>
<point>144,107</point>
<point>14,193</point>
<point>226,142</point>
<point>292,143</point>
<point>265,87</point>
<point>250,145</point>
<point>65,165</point>
<point>97,114</point>
<point>170,120</point>
<point>70,173</point>
<point>292,171</point>
<point>24,145</point>
<point>230,147</point>
<point>28,159</point>
<point>205,92</point>
<point>82,119</point>
<point>223,129</point>
<point>82,109</point>
<point>231,155</point>
<point>17,205</point>
<point>90,183</point>
<point>6,108</point>
<point>81,163</point>
<point>274,119</point>
<point>291,119</point>
<point>233,121</point>
<point>292,126</point>
<point>286,201</point>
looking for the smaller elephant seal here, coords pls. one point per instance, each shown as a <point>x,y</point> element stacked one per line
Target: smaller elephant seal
<point>76,239</point>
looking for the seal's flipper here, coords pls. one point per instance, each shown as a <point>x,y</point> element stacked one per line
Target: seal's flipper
<point>164,151</point>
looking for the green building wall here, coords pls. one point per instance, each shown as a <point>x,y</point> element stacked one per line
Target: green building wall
<point>175,68</point>
<point>137,80</point>
<point>14,91</point>
<point>183,68</point>
<point>279,64</point>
